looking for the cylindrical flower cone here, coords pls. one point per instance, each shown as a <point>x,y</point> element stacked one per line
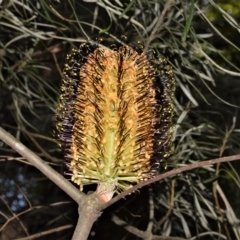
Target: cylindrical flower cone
<point>114,117</point>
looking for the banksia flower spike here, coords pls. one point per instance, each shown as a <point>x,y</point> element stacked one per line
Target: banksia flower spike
<point>114,118</point>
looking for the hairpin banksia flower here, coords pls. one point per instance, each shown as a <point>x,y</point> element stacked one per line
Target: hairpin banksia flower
<point>114,118</point>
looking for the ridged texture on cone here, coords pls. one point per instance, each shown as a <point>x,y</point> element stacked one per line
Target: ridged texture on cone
<point>114,118</point>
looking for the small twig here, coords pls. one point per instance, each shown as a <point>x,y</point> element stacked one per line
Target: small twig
<point>45,153</point>
<point>170,174</point>
<point>24,194</point>
<point>232,219</point>
<point>23,160</point>
<point>139,233</point>
<point>158,24</point>
<point>14,216</point>
<point>151,211</point>
<point>57,65</point>
<point>55,48</point>
<point>171,205</point>
<point>130,228</point>
<point>18,215</point>
<point>37,235</point>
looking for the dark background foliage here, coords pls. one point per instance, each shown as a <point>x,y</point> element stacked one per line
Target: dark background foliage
<point>201,41</point>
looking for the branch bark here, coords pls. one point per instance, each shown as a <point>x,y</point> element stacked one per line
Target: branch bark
<point>88,214</point>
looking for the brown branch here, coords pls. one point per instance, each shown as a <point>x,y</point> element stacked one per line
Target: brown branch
<point>215,195</point>
<point>9,219</point>
<point>170,174</point>
<point>215,184</point>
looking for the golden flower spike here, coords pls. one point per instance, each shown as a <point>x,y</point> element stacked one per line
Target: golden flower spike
<point>114,118</point>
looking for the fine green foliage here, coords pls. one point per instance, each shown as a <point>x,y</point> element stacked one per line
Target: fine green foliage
<point>34,39</point>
